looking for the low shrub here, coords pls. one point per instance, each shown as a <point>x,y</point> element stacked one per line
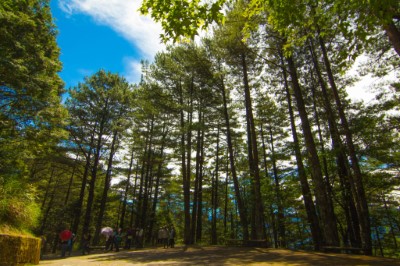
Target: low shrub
<point>18,208</point>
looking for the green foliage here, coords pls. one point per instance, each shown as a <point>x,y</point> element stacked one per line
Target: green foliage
<point>31,114</point>
<point>29,68</point>
<point>182,18</point>
<point>377,127</point>
<point>18,206</point>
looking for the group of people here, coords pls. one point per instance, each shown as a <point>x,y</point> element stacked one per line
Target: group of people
<point>133,237</point>
<point>166,236</point>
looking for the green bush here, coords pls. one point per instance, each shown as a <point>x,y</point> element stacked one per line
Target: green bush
<point>18,208</point>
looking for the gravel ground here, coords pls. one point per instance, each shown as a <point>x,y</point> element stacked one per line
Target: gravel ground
<point>216,255</point>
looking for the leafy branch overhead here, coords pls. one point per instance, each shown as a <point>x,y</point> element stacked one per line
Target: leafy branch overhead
<point>183,18</point>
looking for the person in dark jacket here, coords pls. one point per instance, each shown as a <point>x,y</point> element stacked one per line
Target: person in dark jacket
<point>86,243</point>
<point>117,238</point>
<point>129,238</point>
<point>171,239</point>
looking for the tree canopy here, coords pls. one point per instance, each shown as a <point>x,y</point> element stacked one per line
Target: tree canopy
<point>31,113</point>
<point>247,134</point>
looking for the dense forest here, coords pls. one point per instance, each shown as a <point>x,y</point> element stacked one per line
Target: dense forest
<point>245,133</point>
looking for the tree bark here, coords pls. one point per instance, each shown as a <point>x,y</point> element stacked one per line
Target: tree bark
<point>199,223</point>
<point>271,212</point>
<point>326,213</point>
<point>196,200</point>
<point>92,183</point>
<point>339,152</point>
<point>185,178</point>
<point>361,202</point>
<point>148,175</point>
<point>188,147</point>
<point>278,197</point>
<point>240,204</point>
<point>394,36</point>
<point>106,188</point>
<point>158,178</point>
<point>312,217</point>
<point>79,204</point>
<point>122,218</point>
<point>258,229</point>
<point>214,187</point>
<point>71,179</point>
<point>46,194</point>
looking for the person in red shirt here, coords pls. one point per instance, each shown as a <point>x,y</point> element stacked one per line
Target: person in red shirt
<point>65,236</point>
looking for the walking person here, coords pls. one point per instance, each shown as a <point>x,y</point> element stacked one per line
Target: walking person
<point>109,242</point>
<point>71,242</point>
<point>154,237</point>
<point>117,238</point>
<point>65,236</point>
<point>171,240</point>
<point>129,237</point>
<point>139,238</point>
<point>86,243</point>
<point>164,236</point>
<point>160,236</point>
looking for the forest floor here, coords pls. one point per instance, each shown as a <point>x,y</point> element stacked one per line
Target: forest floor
<point>215,255</point>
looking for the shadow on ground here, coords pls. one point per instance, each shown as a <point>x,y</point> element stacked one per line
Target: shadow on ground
<point>217,255</point>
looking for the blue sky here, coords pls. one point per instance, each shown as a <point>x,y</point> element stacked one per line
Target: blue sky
<point>103,34</point>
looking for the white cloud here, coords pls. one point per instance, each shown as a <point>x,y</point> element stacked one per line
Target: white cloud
<point>133,70</point>
<point>85,72</point>
<point>123,17</point>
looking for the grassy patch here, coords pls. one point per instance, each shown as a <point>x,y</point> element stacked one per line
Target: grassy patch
<point>8,230</point>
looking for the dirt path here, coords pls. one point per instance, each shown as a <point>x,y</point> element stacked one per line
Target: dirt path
<point>218,256</point>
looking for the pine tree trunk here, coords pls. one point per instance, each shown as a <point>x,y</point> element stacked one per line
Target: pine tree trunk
<point>361,202</point>
<point>157,185</point>
<point>258,229</point>
<point>271,213</point>
<point>196,209</point>
<point>140,205</point>
<point>185,178</point>
<point>71,179</point>
<point>196,183</point>
<point>147,176</point>
<point>312,217</point>
<point>338,149</point>
<point>122,218</point>
<point>92,182</point>
<point>278,197</point>
<point>78,206</point>
<point>389,218</point>
<point>214,188</point>
<point>192,236</point>
<point>240,204</point>
<point>134,196</point>
<point>199,223</point>
<point>226,202</point>
<point>106,188</point>
<point>394,36</point>
<point>326,213</point>
<point>46,194</point>
<point>49,206</point>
